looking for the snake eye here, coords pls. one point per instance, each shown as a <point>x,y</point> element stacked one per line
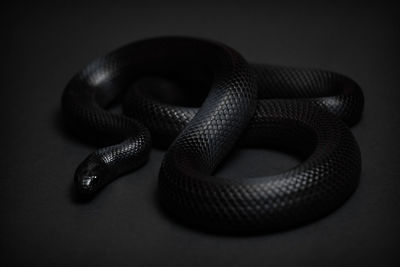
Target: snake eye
<point>88,181</point>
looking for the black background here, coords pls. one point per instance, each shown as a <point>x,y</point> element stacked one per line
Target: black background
<point>45,44</point>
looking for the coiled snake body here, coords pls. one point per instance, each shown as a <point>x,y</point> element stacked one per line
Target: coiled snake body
<point>301,110</point>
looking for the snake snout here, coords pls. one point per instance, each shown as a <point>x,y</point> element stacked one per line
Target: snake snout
<point>86,184</point>
<point>90,176</point>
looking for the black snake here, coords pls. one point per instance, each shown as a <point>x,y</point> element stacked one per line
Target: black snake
<point>222,101</point>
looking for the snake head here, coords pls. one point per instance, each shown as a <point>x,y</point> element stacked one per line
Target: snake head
<point>91,175</point>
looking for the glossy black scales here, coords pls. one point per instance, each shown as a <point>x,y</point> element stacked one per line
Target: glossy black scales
<point>215,100</point>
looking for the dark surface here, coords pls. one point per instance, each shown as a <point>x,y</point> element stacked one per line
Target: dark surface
<point>43,223</point>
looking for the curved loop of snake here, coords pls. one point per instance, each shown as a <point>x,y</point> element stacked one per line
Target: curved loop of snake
<point>200,98</point>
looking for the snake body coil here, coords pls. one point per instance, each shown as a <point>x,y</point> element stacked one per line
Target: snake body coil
<point>301,110</point>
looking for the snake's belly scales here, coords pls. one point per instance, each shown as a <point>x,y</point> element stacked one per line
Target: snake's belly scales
<point>305,111</point>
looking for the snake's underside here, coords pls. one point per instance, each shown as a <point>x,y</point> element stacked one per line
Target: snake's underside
<point>200,99</point>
